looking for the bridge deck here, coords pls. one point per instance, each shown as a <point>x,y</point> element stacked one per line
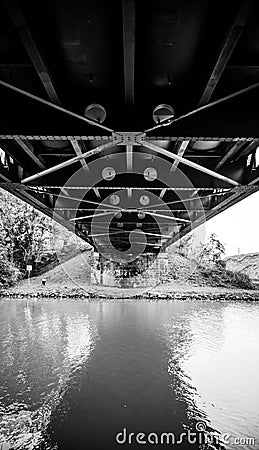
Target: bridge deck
<point>105,180</point>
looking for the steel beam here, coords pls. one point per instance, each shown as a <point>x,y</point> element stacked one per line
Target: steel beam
<point>140,188</point>
<point>97,193</point>
<point>151,213</point>
<point>247,150</point>
<point>92,137</point>
<point>120,231</point>
<point>128,12</point>
<point>180,150</point>
<point>129,157</point>
<point>185,161</point>
<point>185,200</point>
<point>254,181</point>
<point>75,219</point>
<point>27,147</point>
<point>78,151</point>
<point>54,106</point>
<point>79,200</point>
<point>146,212</point>
<point>162,193</point>
<point>207,106</point>
<point>38,62</point>
<point>231,152</point>
<point>36,58</point>
<point>164,216</point>
<point>222,60</point>
<point>6,149</point>
<point>68,162</point>
<point>227,49</point>
<point>4,174</point>
<point>33,51</point>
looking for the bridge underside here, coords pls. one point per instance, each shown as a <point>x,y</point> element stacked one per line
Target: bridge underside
<point>129,184</point>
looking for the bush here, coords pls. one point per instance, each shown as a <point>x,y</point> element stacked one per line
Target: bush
<point>9,274</point>
<point>27,236</point>
<point>221,277</point>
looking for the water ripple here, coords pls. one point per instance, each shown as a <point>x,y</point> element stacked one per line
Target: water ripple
<point>62,343</point>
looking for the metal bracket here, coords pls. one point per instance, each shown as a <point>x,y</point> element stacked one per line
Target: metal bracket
<point>128,138</point>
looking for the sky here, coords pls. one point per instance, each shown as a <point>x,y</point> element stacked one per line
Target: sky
<point>238,227</point>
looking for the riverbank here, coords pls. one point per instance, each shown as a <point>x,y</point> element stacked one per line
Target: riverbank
<point>132,360</point>
<point>71,279</point>
<point>170,291</point>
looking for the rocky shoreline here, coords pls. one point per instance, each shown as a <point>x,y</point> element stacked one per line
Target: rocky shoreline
<point>218,295</point>
<point>70,280</point>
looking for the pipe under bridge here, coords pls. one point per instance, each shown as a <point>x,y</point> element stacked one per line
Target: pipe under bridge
<point>129,122</point>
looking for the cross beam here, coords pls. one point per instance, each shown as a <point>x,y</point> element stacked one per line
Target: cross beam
<point>227,49</point>
<point>230,153</point>
<point>67,163</point>
<point>140,141</point>
<point>27,147</point>
<point>185,161</point>
<point>128,10</point>
<point>221,62</point>
<point>41,69</point>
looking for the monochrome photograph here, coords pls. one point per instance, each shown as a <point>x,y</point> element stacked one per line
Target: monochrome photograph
<point>129,245</point>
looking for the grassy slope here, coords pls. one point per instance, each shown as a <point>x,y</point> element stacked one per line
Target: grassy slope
<point>188,271</point>
<point>245,263</point>
<point>186,276</point>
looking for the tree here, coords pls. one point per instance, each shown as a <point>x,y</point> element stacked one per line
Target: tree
<point>212,251</point>
<point>23,230</point>
<point>28,236</point>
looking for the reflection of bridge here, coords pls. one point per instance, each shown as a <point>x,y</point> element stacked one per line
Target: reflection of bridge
<point>129,56</point>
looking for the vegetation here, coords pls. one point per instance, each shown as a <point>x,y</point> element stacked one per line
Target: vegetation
<point>9,274</point>
<point>204,265</point>
<point>209,253</point>
<point>219,276</point>
<point>27,237</point>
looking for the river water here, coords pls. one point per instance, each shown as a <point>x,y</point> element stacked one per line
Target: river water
<point>80,374</point>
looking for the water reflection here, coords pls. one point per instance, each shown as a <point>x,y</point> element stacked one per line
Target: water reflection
<point>41,347</point>
<point>213,360</point>
<point>75,373</point>
<point>127,386</point>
